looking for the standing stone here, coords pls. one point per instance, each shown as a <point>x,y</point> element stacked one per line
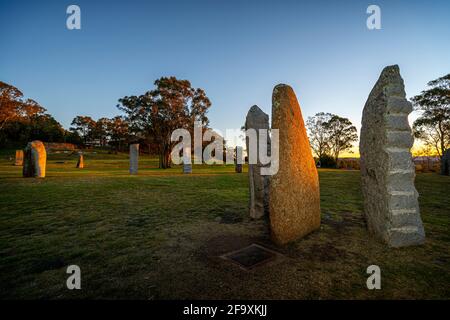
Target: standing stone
<point>134,158</point>
<point>19,158</point>
<point>80,162</point>
<point>35,158</point>
<point>445,163</point>
<point>294,190</point>
<point>187,168</point>
<point>258,184</point>
<point>391,208</point>
<point>238,164</point>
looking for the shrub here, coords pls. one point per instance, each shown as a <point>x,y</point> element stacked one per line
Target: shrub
<point>327,161</point>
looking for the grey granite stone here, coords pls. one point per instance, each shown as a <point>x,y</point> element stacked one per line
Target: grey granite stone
<point>391,207</point>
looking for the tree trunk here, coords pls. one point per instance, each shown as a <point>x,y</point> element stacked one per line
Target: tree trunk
<point>336,156</point>
<point>164,159</point>
<point>442,136</point>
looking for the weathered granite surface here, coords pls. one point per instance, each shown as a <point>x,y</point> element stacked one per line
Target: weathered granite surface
<point>35,160</point>
<point>294,190</point>
<point>134,158</point>
<point>391,207</point>
<point>258,184</point>
<point>238,160</point>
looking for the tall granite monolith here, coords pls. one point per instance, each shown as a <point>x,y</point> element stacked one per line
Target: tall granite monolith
<point>134,158</point>
<point>294,197</point>
<point>391,208</point>
<point>258,184</point>
<point>19,158</point>
<point>34,160</point>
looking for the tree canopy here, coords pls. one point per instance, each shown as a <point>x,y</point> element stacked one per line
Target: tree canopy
<point>330,134</point>
<point>14,107</point>
<point>173,104</point>
<point>23,119</point>
<point>342,134</point>
<point>318,135</point>
<point>433,124</point>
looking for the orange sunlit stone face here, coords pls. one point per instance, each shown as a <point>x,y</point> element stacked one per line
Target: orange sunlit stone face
<point>294,190</point>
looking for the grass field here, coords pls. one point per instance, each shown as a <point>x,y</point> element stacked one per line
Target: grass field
<point>159,235</point>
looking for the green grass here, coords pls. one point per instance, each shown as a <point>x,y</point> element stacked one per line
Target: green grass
<point>159,235</point>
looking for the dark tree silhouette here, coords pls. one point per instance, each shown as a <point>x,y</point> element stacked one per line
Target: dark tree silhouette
<point>433,125</point>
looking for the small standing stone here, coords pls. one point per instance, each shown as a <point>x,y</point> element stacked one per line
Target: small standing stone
<point>80,162</point>
<point>294,190</point>
<point>445,163</point>
<point>134,158</point>
<point>187,168</point>
<point>238,167</point>
<point>35,159</point>
<point>391,207</point>
<point>258,184</point>
<point>19,158</point>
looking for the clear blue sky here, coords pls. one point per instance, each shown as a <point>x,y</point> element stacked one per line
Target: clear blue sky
<point>236,50</point>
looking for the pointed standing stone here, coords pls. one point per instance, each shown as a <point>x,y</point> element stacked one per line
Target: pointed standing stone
<point>35,159</point>
<point>391,208</point>
<point>19,158</point>
<point>80,162</point>
<point>258,184</point>
<point>134,158</point>
<point>294,190</point>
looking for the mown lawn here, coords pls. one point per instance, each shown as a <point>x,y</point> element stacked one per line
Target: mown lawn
<point>159,235</point>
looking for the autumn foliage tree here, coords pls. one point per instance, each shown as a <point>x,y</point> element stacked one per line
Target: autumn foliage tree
<point>173,104</point>
<point>14,107</point>
<point>23,120</point>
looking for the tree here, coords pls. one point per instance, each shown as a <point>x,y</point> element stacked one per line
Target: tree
<point>341,133</point>
<point>118,132</point>
<point>16,112</point>
<point>433,125</point>
<point>101,130</point>
<point>44,127</point>
<point>85,127</point>
<point>318,133</point>
<point>13,106</point>
<point>173,104</point>
<point>38,127</point>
